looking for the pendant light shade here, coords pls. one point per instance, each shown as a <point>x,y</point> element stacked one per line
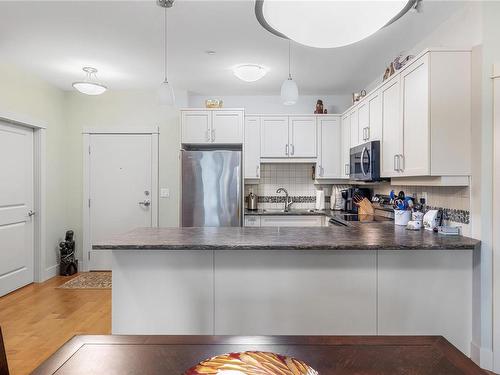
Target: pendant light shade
<point>289,92</point>
<point>289,88</point>
<point>90,86</point>
<point>166,95</point>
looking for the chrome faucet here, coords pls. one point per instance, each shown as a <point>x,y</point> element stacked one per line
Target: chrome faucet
<point>288,200</point>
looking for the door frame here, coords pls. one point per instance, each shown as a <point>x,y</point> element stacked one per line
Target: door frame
<point>40,273</point>
<point>154,132</point>
<point>496,219</point>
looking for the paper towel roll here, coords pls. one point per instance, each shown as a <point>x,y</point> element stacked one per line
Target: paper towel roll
<point>320,200</point>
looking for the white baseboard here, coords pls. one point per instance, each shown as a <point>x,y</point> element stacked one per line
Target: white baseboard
<point>50,272</point>
<point>483,357</point>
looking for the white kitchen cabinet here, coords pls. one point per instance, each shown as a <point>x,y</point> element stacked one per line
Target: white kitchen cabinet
<point>329,162</point>
<point>291,221</point>
<point>252,221</point>
<point>391,145</point>
<point>415,158</point>
<point>274,137</point>
<point>302,136</point>
<point>370,118</point>
<point>221,126</point>
<point>427,117</point>
<point>345,146</point>
<point>363,121</point>
<point>354,127</point>
<point>196,126</point>
<point>252,147</point>
<point>288,137</point>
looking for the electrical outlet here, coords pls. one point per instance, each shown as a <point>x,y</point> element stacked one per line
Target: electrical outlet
<point>164,193</point>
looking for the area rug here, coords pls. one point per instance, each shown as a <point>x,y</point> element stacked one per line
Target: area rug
<point>89,280</point>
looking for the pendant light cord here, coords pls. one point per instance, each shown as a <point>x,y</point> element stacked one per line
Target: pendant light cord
<point>165,46</point>
<point>289,59</point>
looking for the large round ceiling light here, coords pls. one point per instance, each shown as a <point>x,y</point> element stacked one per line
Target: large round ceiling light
<point>328,23</point>
<point>249,72</point>
<point>90,86</point>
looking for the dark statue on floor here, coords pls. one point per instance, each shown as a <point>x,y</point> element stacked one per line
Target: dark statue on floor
<point>69,265</point>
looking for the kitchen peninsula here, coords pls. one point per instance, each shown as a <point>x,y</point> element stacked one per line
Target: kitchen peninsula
<point>363,280</point>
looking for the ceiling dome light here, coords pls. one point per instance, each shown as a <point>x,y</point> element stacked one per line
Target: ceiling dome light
<point>249,72</point>
<point>90,86</point>
<point>328,23</point>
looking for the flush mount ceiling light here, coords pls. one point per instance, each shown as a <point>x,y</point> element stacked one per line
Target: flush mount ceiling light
<point>166,95</point>
<point>328,23</point>
<point>249,72</point>
<point>90,86</point>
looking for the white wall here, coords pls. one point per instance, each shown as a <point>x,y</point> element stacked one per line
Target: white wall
<point>28,96</point>
<point>267,104</point>
<point>114,110</point>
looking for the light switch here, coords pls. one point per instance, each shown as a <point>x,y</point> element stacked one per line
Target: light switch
<point>164,193</point>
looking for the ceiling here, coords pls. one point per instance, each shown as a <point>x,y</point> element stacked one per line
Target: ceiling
<point>124,40</point>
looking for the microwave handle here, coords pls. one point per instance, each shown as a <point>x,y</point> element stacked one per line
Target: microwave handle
<point>361,161</point>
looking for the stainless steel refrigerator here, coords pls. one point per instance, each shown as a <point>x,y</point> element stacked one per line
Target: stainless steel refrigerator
<point>211,188</point>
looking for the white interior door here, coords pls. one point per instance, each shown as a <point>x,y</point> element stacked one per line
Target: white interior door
<point>121,191</point>
<point>16,201</point>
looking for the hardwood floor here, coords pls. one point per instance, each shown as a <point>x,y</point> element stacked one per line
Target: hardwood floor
<point>38,319</point>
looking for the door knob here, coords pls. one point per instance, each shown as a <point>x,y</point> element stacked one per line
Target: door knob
<point>145,203</point>
<point>31,213</point>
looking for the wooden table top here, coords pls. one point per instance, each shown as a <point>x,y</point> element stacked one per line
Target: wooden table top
<point>172,355</point>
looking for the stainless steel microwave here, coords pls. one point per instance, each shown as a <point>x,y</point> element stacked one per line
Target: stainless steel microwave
<point>365,162</point>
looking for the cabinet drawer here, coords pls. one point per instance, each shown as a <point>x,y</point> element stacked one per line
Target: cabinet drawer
<point>252,221</point>
<point>291,221</point>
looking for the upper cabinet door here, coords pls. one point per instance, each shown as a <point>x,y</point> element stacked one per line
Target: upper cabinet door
<point>252,147</point>
<point>391,144</point>
<point>374,131</point>
<point>329,165</point>
<point>415,96</point>
<point>302,135</point>
<point>196,127</point>
<point>274,137</point>
<point>346,146</point>
<point>354,128</point>
<point>363,121</point>
<point>227,127</point>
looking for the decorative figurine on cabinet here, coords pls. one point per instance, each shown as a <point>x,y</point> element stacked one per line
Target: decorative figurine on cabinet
<point>69,265</point>
<point>319,107</point>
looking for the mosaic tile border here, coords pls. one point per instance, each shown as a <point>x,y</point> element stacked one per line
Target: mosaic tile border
<point>451,214</point>
<point>295,199</point>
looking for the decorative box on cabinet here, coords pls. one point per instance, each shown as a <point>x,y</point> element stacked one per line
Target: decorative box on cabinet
<point>212,126</point>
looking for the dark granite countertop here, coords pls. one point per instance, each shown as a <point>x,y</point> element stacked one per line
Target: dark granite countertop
<point>376,236</point>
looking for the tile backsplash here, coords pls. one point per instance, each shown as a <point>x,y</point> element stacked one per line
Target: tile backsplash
<point>295,178</point>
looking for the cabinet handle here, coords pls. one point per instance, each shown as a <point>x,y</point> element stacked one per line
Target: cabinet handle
<point>346,169</point>
<point>213,135</point>
<point>401,161</point>
<point>293,148</point>
<point>367,133</point>
<point>257,171</point>
<point>395,163</point>
<point>286,149</point>
<point>207,135</point>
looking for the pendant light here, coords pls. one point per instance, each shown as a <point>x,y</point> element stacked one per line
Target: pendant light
<point>166,95</point>
<point>90,86</point>
<point>289,89</point>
